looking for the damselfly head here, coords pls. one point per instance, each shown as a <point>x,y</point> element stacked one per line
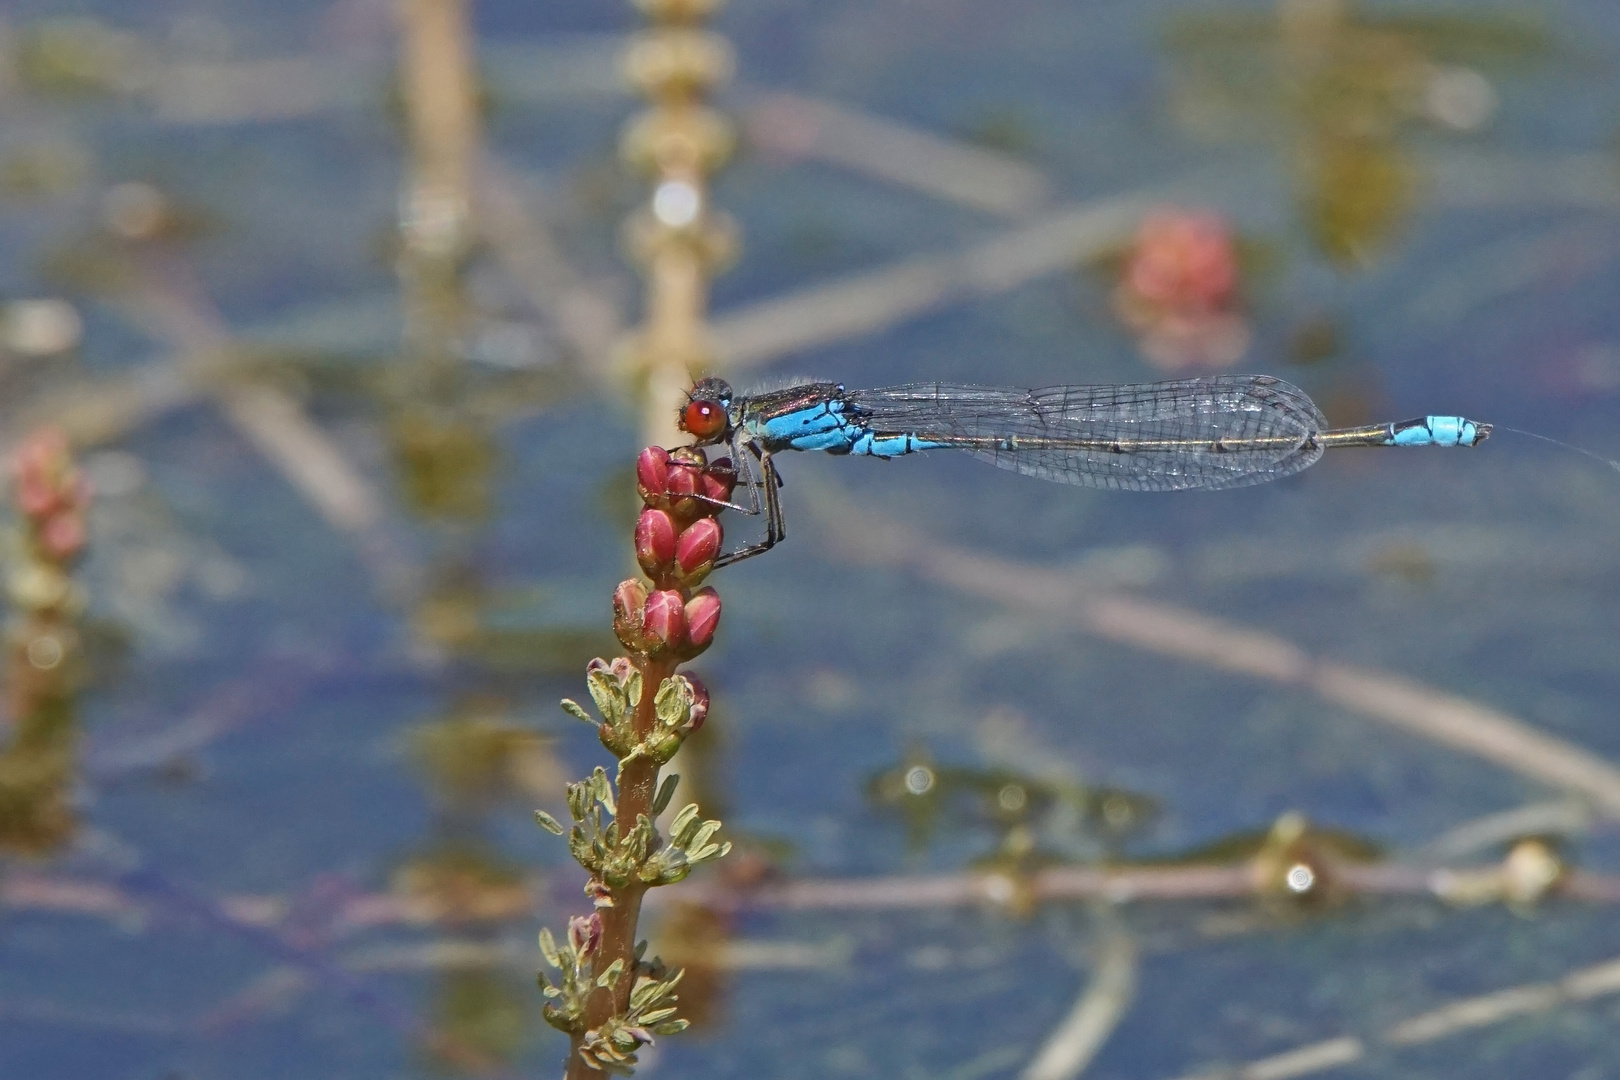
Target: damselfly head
<point>706,416</point>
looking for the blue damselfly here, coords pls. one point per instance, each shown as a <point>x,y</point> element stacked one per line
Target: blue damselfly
<point>1224,431</point>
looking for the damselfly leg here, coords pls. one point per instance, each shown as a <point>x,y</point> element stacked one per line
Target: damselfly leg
<point>758,474</point>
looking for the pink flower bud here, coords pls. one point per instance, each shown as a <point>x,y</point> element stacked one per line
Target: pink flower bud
<point>684,484</point>
<point>700,703</point>
<point>697,547</point>
<point>585,933</point>
<point>686,467</point>
<point>652,474</point>
<point>655,540</point>
<point>719,479</point>
<point>702,615</point>
<point>664,618</point>
<point>628,601</point>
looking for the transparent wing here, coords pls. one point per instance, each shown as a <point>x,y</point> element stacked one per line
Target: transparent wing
<point>1220,432</point>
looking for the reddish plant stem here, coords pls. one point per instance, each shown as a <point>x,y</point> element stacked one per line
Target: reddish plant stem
<point>638,785</point>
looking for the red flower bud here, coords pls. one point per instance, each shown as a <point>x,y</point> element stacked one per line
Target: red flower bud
<point>628,601</point>
<point>652,474</point>
<point>700,703</point>
<point>684,484</point>
<point>655,540</point>
<point>686,466</point>
<point>718,481</point>
<point>697,547</point>
<point>702,617</point>
<point>664,618</point>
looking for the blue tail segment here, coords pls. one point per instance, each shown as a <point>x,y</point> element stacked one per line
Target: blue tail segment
<point>1436,431</point>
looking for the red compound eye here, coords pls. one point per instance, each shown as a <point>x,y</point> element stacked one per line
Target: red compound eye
<point>703,418</point>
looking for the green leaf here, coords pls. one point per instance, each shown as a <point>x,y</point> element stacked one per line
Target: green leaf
<point>611,976</point>
<point>572,708</point>
<point>701,837</point>
<point>671,1027</point>
<point>632,688</point>
<point>548,823</point>
<point>605,691</point>
<point>674,700</point>
<point>684,819</point>
<point>548,948</point>
<point>666,792</point>
<point>579,800</point>
<point>604,790</point>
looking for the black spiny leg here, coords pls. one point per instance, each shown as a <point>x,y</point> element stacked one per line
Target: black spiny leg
<point>767,483</point>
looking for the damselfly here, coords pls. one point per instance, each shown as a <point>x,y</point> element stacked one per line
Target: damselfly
<point>1225,431</point>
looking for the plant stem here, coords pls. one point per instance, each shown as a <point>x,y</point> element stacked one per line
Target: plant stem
<point>637,784</point>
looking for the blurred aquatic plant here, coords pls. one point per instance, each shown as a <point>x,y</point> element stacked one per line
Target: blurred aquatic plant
<point>609,999</point>
<point>486,1012</point>
<point>1023,811</point>
<point>477,756</point>
<point>80,57</point>
<point>462,881</point>
<point>1343,90</point>
<point>678,238</point>
<point>39,763</point>
<point>501,629</point>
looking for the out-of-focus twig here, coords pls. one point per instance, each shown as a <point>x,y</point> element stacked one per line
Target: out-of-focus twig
<point>1468,1014</point>
<point>868,302</point>
<point>798,127</point>
<point>273,687</point>
<point>1117,885</point>
<point>1447,719</point>
<point>1077,1038</point>
<point>1559,818</point>
<point>173,307</point>
<point>585,319</point>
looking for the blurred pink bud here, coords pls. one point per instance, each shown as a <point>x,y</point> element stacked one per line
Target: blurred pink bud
<point>1184,261</point>
<point>664,618</point>
<point>702,617</point>
<point>63,536</point>
<point>652,474</point>
<point>35,496</point>
<point>628,601</point>
<point>46,478</point>
<point>585,933</point>
<point>698,546</point>
<point>655,540</point>
<point>700,703</point>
